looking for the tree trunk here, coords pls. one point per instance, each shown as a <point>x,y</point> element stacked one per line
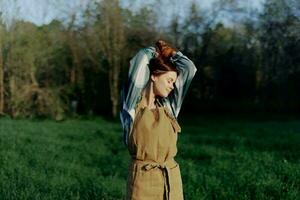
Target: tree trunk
<point>114,92</point>
<point>12,89</point>
<point>1,84</point>
<point>112,43</point>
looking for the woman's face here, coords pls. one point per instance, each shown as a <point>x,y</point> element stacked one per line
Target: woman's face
<point>163,84</point>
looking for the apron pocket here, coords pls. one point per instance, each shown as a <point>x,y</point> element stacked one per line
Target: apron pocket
<point>148,184</point>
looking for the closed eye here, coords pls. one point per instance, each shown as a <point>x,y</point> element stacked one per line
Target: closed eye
<point>171,80</point>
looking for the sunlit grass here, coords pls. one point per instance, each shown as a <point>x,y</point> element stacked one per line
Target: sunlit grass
<point>85,159</point>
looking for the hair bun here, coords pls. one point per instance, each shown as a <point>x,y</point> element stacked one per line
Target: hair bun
<point>164,50</point>
<point>160,44</point>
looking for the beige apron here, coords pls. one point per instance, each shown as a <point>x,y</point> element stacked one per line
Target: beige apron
<point>153,172</point>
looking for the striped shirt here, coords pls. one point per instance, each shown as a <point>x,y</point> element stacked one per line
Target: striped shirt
<point>138,78</point>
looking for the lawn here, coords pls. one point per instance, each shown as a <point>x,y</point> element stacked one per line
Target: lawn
<point>220,158</point>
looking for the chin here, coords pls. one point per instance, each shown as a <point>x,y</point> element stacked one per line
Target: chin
<point>166,95</point>
<point>163,95</point>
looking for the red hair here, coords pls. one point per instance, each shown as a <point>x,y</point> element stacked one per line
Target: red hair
<point>162,63</point>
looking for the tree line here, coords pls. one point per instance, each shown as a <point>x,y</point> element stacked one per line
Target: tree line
<point>60,69</point>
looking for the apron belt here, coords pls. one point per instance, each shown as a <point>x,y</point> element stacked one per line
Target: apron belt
<point>164,167</point>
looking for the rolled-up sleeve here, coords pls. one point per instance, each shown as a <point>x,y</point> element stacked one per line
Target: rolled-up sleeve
<point>187,70</point>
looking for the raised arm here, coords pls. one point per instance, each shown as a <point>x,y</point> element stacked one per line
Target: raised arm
<point>138,77</point>
<point>187,72</point>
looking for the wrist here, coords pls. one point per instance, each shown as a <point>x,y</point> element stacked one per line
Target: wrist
<point>174,53</point>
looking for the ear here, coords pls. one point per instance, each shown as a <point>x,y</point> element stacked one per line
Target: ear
<point>153,78</point>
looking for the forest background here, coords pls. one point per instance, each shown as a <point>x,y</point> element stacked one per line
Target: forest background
<point>247,56</point>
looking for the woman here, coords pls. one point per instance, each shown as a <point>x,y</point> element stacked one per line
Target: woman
<point>158,81</point>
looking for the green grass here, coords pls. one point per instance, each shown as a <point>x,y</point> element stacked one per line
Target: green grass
<point>85,159</point>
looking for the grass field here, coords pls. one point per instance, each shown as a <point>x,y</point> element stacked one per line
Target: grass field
<point>220,158</point>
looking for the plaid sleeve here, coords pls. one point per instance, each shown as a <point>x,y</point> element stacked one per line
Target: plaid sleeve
<point>138,77</point>
<point>187,72</point>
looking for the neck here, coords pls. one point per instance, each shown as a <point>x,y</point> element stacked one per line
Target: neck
<point>149,96</point>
